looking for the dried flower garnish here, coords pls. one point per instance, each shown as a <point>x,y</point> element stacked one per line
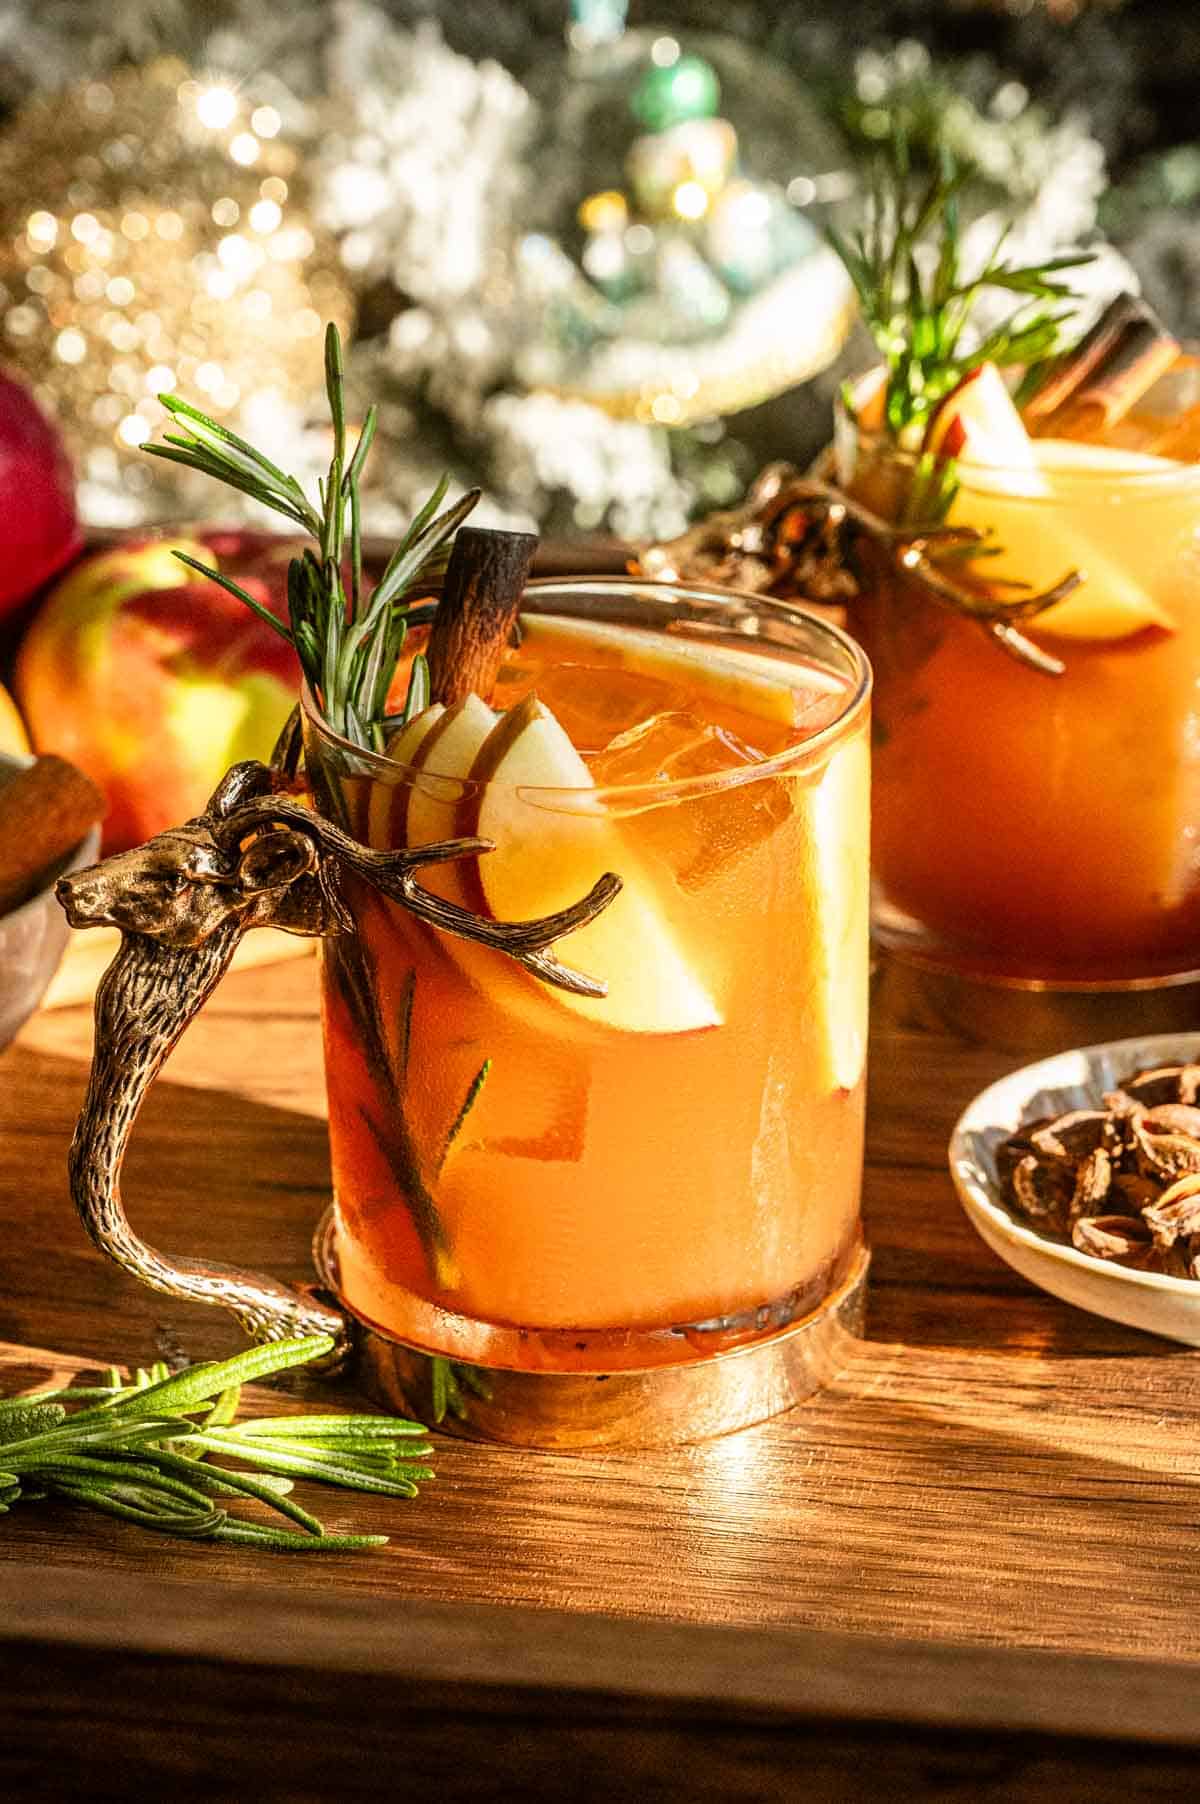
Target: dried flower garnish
<point>1121,1182</point>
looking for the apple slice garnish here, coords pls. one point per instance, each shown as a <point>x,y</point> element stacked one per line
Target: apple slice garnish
<point>438,799</point>
<point>978,424</point>
<point>404,744</point>
<point>1033,516</point>
<point>546,857</point>
<point>833,915</point>
<point>438,747</point>
<point>442,763</point>
<point>752,682</point>
<point>389,801</point>
<point>977,420</point>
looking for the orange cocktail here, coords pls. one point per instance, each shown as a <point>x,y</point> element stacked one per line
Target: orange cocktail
<point>534,1179</point>
<point>1034,826</point>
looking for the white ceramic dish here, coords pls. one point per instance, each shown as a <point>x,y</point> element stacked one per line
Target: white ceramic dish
<point>1069,1080</point>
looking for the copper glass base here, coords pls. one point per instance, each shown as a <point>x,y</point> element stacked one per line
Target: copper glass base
<point>669,1405</point>
<point>1032,1016</point>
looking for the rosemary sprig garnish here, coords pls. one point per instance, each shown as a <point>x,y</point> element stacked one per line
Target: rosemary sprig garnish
<point>137,1453</point>
<point>348,641</point>
<point>917,300</point>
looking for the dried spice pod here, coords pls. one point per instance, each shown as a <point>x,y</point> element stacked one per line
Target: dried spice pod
<point>1160,1084</point>
<point>1043,1192</point>
<point>1173,1118</point>
<point>1163,1149</point>
<point>1123,1239</point>
<point>1133,1192</point>
<point>1121,1183</point>
<point>1093,1182</point>
<point>1175,1214</point>
<point>1074,1136</point>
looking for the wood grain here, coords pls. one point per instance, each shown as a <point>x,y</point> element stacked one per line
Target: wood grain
<point>986,1529</point>
<point>89,955</point>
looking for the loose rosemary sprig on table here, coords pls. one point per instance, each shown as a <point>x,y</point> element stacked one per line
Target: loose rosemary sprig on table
<point>136,1453</point>
<point>348,641</point>
<point>906,264</point>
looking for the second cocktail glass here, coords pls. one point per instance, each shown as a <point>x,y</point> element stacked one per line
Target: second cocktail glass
<point>1028,827</point>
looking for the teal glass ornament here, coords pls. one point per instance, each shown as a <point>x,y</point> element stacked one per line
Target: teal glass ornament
<point>594,22</point>
<point>687,88</point>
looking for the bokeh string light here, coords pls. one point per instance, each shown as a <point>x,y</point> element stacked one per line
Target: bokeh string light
<point>155,235</point>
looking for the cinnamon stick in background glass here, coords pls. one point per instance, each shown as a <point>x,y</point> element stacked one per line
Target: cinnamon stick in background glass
<point>1100,379</point>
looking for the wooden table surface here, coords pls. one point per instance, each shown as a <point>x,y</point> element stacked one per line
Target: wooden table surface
<point>970,1566</point>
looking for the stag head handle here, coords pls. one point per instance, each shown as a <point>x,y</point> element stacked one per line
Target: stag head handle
<point>256,857</point>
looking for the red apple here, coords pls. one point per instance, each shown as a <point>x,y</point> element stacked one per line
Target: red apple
<point>37,497</point>
<point>153,681</point>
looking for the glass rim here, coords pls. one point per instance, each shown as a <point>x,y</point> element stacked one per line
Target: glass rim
<point>1175,474</point>
<point>808,751</point>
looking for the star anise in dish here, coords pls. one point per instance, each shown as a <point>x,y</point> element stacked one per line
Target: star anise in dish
<point>1121,1182</point>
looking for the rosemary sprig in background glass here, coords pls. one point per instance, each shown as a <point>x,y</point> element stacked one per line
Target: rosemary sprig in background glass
<point>906,264</point>
<point>136,1453</point>
<point>348,641</point>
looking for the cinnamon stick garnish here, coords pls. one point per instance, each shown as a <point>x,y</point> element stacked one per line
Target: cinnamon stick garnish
<point>1095,384</point>
<point>485,580</point>
<point>45,810</point>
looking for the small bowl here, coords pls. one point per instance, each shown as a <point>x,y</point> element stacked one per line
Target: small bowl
<point>34,936</point>
<point>1070,1080</point>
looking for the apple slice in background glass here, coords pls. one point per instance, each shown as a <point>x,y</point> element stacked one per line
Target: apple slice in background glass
<point>978,421</point>
<point>1025,494</point>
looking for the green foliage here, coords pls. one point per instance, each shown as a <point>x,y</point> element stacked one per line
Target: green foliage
<point>348,642</point>
<point>917,300</point>
<point>136,1453</point>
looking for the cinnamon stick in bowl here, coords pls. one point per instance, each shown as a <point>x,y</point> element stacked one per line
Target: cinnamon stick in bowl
<point>46,808</point>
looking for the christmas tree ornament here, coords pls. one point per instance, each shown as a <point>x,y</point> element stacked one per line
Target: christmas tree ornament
<point>156,233</point>
<point>489,276</point>
<point>667,271</point>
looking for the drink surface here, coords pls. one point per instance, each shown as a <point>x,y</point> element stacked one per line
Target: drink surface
<point>1046,826</point>
<point>526,1177</point>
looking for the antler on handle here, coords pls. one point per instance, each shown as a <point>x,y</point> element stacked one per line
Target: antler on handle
<point>395,875</point>
<point>795,535</point>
